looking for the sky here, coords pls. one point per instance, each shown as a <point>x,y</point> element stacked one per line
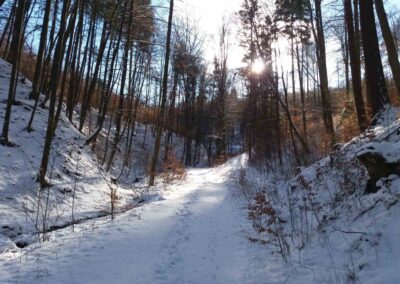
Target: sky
<point>209,14</point>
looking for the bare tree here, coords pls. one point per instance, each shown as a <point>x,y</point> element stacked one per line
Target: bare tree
<point>14,56</point>
<point>375,78</point>
<point>160,116</point>
<point>389,42</point>
<point>319,36</point>
<point>55,71</point>
<point>355,63</point>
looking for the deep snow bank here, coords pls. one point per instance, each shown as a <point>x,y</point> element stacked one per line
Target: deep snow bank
<point>323,223</point>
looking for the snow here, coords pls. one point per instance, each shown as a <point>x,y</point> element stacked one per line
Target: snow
<point>197,231</point>
<point>337,233</point>
<point>75,173</point>
<point>190,231</point>
<point>193,234</point>
<point>194,230</point>
<point>389,150</point>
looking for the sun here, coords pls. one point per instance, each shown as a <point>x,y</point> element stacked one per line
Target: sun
<point>258,66</point>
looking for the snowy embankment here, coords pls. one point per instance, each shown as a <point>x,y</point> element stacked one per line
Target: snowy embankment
<point>323,223</point>
<point>80,187</point>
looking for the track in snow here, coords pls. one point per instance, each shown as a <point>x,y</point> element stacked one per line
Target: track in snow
<point>193,235</point>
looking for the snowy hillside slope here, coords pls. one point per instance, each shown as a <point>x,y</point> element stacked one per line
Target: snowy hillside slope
<point>80,187</point>
<point>323,222</point>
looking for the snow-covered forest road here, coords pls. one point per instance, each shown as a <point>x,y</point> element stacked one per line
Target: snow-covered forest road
<point>193,234</point>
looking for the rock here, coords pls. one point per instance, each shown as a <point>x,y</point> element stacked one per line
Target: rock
<point>378,167</point>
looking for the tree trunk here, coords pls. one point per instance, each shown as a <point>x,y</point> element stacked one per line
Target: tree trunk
<point>17,31</point>
<point>300,60</point>
<point>86,101</point>
<point>88,80</point>
<point>47,63</point>
<point>9,22</point>
<point>17,43</point>
<point>171,113</point>
<point>389,42</point>
<point>323,72</point>
<point>39,63</point>
<point>55,71</point>
<point>74,80</point>
<point>293,69</point>
<point>292,127</point>
<point>108,88</point>
<point>355,64</point>
<point>346,58</point>
<point>375,77</point>
<point>160,116</point>
<point>69,36</point>
<point>118,119</point>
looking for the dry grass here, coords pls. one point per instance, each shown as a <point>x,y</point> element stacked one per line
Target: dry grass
<point>173,169</point>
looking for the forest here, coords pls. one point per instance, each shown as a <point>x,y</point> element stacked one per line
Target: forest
<point>135,111</point>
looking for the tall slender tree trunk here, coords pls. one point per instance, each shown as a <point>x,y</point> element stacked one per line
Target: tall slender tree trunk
<point>71,97</point>
<point>17,43</point>
<point>292,54</point>
<point>120,111</point>
<point>277,112</point>
<point>318,33</point>
<point>42,48</point>
<point>346,58</point>
<point>160,116</point>
<point>54,78</point>
<point>323,72</point>
<point>39,64</point>
<point>389,42</point>
<point>10,32</point>
<point>9,23</point>
<point>292,127</point>
<point>375,77</point>
<point>108,88</point>
<point>17,31</point>
<point>86,101</point>
<point>89,78</point>
<point>355,64</point>
<point>69,36</point>
<point>47,63</point>
<point>300,60</point>
<point>171,113</point>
